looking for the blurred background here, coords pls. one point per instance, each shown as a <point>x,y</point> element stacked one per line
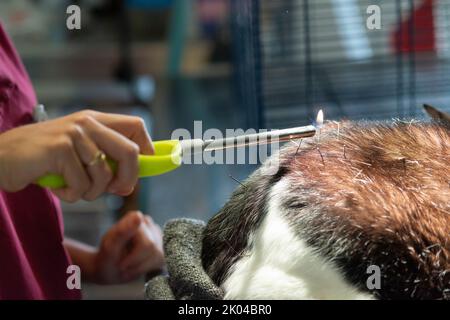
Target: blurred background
<point>231,64</point>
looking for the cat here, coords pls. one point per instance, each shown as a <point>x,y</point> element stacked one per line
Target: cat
<point>363,212</point>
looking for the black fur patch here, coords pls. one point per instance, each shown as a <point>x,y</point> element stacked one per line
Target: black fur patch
<point>226,235</point>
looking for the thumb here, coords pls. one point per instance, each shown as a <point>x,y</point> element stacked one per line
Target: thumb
<point>125,229</point>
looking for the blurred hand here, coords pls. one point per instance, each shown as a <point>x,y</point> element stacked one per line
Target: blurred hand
<point>69,146</point>
<point>130,249</point>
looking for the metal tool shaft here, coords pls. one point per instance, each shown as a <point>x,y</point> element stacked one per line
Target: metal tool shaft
<point>262,138</point>
<point>269,137</point>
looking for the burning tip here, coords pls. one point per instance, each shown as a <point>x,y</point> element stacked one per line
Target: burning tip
<point>319,119</point>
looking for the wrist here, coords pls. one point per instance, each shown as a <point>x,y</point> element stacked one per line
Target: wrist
<point>89,269</point>
<point>85,257</point>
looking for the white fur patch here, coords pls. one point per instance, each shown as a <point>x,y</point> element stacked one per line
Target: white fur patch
<point>280,265</point>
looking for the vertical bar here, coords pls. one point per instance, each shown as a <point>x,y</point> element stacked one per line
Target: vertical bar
<point>247,52</point>
<point>399,62</point>
<point>308,62</point>
<point>259,64</point>
<point>248,77</point>
<point>125,69</point>
<point>177,37</point>
<point>412,60</point>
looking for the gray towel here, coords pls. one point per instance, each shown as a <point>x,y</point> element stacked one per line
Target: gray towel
<point>186,278</point>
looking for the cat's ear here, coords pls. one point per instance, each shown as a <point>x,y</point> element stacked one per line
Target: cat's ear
<point>437,114</point>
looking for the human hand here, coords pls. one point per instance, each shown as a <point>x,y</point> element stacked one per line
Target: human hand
<point>130,249</point>
<point>69,146</point>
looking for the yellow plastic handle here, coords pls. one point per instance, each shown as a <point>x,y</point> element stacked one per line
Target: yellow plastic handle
<point>167,157</point>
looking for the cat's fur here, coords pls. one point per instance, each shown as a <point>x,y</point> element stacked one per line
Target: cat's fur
<point>367,195</point>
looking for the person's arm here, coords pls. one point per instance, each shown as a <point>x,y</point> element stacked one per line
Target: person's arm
<point>83,255</point>
<point>130,249</point>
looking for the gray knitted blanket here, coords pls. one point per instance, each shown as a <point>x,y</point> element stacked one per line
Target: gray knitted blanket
<point>186,279</point>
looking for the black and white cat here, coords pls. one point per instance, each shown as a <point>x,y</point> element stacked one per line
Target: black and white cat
<point>367,195</point>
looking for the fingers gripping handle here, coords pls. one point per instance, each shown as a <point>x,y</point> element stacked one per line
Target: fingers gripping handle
<point>167,157</point>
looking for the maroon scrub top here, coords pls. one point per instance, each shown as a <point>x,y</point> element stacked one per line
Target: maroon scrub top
<point>33,260</point>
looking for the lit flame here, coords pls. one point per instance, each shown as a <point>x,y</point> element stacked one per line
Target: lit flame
<point>319,119</point>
